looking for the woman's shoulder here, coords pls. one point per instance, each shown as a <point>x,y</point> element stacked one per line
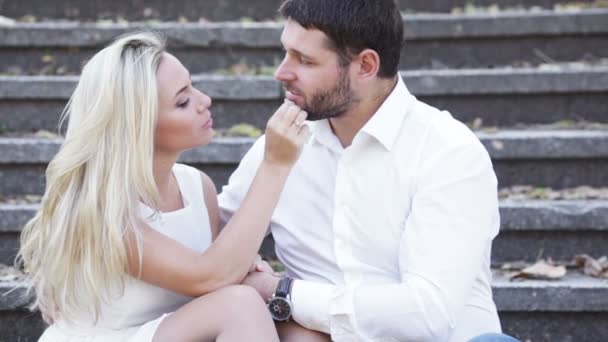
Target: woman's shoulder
<point>185,169</point>
<point>197,176</point>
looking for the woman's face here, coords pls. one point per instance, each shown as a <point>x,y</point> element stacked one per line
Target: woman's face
<point>184,119</point>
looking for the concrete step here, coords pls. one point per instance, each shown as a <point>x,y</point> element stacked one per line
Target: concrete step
<point>435,41</point>
<point>558,230</point>
<point>499,97</point>
<point>529,229</point>
<point>568,310</point>
<point>217,10</point>
<point>555,159</point>
<point>574,308</point>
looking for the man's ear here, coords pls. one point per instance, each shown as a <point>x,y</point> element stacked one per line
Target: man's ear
<point>369,64</point>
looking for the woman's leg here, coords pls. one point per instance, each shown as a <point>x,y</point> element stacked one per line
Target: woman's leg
<point>232,313</point>
<point>293,332</point>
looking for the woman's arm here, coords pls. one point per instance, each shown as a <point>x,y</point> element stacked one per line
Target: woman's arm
<point>210,193</point>
<point>169,264</point>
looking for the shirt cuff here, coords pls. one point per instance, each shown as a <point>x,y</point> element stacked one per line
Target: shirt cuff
<point>311,304</point>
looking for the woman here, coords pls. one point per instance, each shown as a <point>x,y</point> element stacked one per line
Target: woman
<point>121,248</point>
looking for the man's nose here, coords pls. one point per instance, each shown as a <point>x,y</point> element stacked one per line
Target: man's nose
<point>284,73</point>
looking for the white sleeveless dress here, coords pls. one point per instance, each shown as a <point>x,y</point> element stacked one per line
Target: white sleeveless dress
<point>135,316</point>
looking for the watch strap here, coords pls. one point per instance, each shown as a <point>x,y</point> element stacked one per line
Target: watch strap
<point>284,287</point>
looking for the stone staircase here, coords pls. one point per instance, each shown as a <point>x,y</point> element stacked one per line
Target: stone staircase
<point>532,84</point>
<point>433,40</point>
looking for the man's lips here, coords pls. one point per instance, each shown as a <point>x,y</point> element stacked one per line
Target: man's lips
<point>291,95</point>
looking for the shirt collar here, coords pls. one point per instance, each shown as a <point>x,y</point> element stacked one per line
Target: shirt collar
<point>384,125</point>
<point>324,135</point>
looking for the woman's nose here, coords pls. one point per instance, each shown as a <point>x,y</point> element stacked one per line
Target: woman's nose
<point>204,101</point>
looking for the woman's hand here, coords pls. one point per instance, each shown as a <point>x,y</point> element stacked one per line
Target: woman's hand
<point>260,265</point>
<point>46,317</point>
<point>285,135</point>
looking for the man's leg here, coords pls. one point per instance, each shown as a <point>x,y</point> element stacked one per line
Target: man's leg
<point>493,337</point>
<point>293,332</point>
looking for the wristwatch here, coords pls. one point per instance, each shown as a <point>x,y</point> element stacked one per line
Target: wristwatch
<point>280,304</point>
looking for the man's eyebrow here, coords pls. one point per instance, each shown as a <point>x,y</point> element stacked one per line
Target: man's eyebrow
<point>293,50</point>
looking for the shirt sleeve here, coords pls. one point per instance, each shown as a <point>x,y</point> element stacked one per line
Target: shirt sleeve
<point>444,247</point>
<point>232,195</point>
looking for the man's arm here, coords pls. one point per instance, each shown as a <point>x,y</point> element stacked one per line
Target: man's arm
<point>229,200</point>
<point>448,233</point>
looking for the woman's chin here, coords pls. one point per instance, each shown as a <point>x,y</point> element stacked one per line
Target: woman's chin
<point>207,137</point>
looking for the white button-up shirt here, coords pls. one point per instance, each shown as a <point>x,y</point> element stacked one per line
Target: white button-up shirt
<point>391,236</point>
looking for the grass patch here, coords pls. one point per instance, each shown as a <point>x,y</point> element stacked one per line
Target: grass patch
<point>243,69</point>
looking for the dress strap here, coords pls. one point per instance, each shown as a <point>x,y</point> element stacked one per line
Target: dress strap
<point>190,185</point>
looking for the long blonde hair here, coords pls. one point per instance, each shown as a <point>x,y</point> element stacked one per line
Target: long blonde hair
<point>73,251</point>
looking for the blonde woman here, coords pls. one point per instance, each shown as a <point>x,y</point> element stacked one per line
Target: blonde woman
<point>126,245</point>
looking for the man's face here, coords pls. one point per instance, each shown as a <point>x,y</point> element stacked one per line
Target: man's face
<point>311,74</point>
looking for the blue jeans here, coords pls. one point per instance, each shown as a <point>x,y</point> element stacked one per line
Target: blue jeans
<point>493,337</point>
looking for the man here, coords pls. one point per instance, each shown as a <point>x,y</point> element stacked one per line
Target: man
<point>386,222</point>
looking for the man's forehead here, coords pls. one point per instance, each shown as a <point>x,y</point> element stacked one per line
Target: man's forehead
<point>296,36</point>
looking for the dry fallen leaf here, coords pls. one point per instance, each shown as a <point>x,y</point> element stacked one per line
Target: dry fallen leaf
<point>514,266</point>
<point>46,134</point>
<point>542,270</point>
<point>519,192</point>
<point>477,124</point>
<point>592,267</point>
<point>498,145</point>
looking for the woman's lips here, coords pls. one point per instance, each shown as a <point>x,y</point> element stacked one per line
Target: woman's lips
<point>208,124</point>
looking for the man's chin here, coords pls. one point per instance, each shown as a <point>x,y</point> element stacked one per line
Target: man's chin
<point>319,116</point>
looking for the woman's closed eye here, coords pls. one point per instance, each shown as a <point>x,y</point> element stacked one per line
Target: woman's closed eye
<point>184,104</point>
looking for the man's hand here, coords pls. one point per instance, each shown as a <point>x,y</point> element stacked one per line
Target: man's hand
<point>265,283</point>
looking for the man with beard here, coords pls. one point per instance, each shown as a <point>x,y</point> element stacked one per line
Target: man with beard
<point>386,222</point>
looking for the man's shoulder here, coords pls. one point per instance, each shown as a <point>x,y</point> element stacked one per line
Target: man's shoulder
<point>255,153</point>
<point>430,135</point>
<point>436,127</point>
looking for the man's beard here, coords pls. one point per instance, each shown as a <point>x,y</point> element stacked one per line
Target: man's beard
<point>333,102</point>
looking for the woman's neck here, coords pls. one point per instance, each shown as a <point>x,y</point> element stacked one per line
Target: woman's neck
<point>166,182</point>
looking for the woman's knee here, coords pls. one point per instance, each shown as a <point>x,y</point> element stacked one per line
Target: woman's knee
<point>240,292</point>
<point>223,311</point>
<point>241,298</point>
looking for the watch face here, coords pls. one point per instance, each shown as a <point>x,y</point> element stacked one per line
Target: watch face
<point>280,308</point>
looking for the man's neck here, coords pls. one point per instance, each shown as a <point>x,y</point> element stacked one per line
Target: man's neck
<point>350,123</point>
